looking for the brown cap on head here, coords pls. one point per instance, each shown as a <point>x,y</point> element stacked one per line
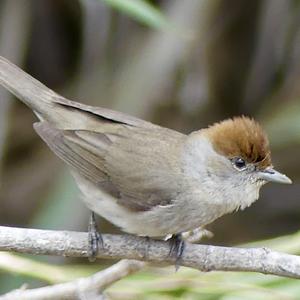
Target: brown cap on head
<point>241,137</point>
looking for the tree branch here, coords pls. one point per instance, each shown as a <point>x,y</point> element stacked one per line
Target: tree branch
<point>83,288</point>
<point>201,257</point>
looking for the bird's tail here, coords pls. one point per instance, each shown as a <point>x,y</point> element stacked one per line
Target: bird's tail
<point>58,111</point>
<point>45,103</point>
<point>29,90</point>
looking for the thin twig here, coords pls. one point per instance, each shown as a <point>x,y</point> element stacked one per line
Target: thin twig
<point>84,288</point>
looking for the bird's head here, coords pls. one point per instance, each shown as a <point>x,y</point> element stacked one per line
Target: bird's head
<point>245,145</point>
<point>232,158</point>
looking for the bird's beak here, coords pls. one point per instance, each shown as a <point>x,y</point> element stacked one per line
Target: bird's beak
<point>271,175</point>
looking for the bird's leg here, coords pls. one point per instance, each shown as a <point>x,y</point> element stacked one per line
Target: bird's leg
<point>94,239</point>
<point>177,246</point>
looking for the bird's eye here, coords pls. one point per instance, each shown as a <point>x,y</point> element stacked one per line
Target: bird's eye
<point>239,163</point>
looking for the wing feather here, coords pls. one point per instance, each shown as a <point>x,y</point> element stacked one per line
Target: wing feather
<point>138,166</point>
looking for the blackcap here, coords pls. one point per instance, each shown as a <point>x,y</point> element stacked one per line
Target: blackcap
<point>146,179</point>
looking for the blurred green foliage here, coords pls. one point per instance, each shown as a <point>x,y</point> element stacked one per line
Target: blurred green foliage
<point>141,11</point>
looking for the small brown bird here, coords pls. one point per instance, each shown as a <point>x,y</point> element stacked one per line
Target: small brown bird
<point>146,179</point>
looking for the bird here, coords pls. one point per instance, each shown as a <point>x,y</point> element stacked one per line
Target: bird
<point>146,179</point>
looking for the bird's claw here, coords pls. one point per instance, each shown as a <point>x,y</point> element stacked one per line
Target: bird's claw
<point>95,240</point>
<point>177,246</point>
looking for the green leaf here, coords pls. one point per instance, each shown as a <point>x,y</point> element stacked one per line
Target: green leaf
<point>141,11</point>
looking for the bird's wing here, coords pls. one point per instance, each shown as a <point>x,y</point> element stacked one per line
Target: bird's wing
<point>144,166</point>
<point>132,158</point>
<point>138,166</point>
<point>104,113</point>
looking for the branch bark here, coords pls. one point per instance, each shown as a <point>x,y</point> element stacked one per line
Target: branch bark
<point>201,257</point>
<point>84,288</point>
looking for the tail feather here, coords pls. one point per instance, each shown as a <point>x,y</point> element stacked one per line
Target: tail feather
<point>57,110</point>
<point>46,104</point>
<point>29,90</point>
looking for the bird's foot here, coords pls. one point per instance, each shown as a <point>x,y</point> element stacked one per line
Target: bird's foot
<point>177,246</point>
<point>95,240</point>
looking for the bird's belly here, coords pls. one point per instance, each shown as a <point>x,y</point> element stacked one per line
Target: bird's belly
<point>185,213</point>
<point>159,221</point>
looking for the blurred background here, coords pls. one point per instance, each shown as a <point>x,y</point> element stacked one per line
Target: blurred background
<point>180,64</point>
